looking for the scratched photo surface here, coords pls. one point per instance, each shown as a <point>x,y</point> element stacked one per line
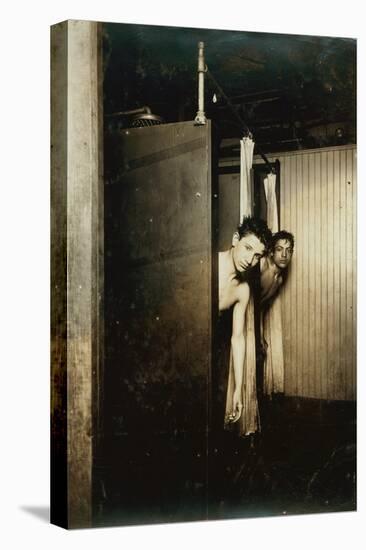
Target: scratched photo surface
<point>201,128</point>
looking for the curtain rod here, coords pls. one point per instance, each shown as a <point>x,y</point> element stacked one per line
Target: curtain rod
<point>242,123</point>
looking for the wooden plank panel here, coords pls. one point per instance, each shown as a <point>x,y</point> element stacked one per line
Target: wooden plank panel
<point>312,275</point>
<point>323,272</point>
<point>337,273</point>
<point>83,240</point>
<point>158,322</point>
<point>286,302</point>
<point>317,262</point>
<point>77,231</point>
<point>305,281</point>
<point>354,242</point>
<point>350,269</point>
<point>323,357</point>
<point>286,222</point>
<point>286,207</point>
<point>293,328</point>
<point>330,271</point>
<point>341,376</point>
<point>299,279</point>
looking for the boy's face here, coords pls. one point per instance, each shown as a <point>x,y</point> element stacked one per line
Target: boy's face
<point>247,251</point>
<point>282,253</point>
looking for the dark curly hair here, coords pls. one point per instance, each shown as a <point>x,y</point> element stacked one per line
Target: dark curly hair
<point>284,235</point>
<point>257,227</point>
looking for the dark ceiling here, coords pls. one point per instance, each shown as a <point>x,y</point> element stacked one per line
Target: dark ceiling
<point>292,91</point>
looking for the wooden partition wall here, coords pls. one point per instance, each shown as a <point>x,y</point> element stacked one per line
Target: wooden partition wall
<point>318,204</point>
<point>158,316</point>
<point>76,267</point>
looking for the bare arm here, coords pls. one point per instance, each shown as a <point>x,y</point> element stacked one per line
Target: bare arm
<point>238,348</point>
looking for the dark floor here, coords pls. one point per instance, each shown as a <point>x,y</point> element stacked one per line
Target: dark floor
<point>303,461</point>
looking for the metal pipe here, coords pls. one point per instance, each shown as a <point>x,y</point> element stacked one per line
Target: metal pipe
<point>200,117</point>
<point>230,105</point>
<point>138,111</point>
<point>244,127</point>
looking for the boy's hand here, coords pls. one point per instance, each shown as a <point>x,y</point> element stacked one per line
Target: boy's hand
<point>237,406</point>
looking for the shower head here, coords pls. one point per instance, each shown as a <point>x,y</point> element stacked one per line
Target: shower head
<point>141,116</point>
<point>146,119</point>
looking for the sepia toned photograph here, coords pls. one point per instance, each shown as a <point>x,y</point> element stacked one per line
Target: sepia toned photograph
<point>203,274</point>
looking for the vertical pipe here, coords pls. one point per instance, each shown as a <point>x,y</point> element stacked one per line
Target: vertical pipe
<point>200,117</point>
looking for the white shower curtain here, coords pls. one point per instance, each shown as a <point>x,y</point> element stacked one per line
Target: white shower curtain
<point>272,322</point>
<point>249,420</point>
<point>246,185</point>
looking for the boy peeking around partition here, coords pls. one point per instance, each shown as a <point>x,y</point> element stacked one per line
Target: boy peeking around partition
<point>249,244</point>
<point>273,274</point>
<point>274,266</point>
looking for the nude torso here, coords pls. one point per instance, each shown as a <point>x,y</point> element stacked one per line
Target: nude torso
<point>229,284</point>
<point>271,280</point>
<point>228,293</point>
